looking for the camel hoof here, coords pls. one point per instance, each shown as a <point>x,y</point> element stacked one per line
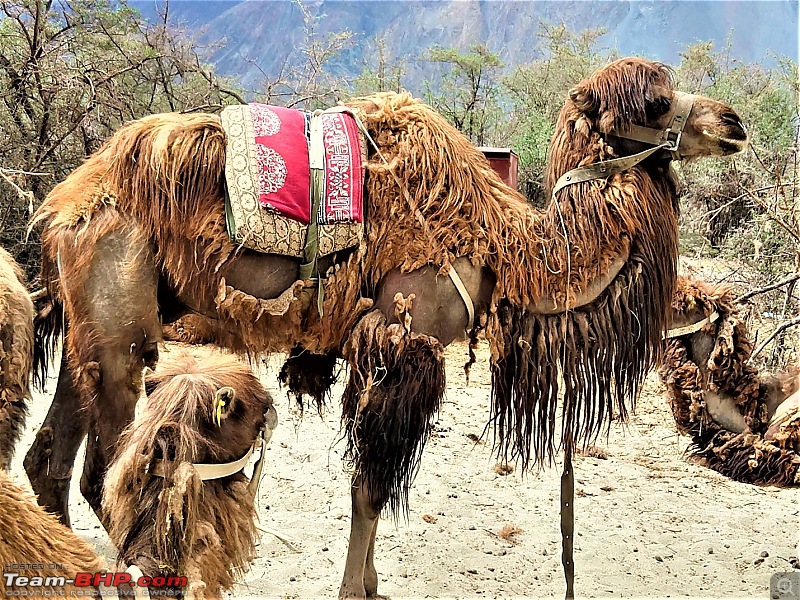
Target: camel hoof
<point>352,592</point>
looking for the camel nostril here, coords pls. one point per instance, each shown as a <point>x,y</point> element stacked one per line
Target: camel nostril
<point>731,118</point>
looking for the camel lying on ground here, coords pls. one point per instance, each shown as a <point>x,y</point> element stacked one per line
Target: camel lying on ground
<point>203,408</point>
<point>744,424</point>
<point>16,355</point>
<point>137,235</point>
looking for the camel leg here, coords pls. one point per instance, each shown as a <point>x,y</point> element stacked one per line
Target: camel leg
<point>370,573</point>
<point>92,478</point>
<point>363,526</point>
<point>394,391</point>
<point>396,386</point>
<point>51,457</point>
<point>113,335</point>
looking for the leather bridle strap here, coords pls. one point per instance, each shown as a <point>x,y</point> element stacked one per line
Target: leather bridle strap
<point>208,471</point>
<point>668,139</point>
<point>138,591</point>
<point>682,106</point>
<point>693,328</point>
<point>604,168</point>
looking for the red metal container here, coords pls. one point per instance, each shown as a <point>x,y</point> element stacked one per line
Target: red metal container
<point>505,162</point>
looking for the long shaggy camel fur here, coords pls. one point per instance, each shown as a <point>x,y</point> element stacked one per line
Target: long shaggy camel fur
<point>190,329</point>
<point>724,404</point>
<point>16,354</point>
<point>179,525</point>
<point>305,375</point>
<point>29,535</point>
<point>604,251</point>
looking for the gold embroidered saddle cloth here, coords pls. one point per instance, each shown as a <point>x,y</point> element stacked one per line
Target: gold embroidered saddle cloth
<point>294,181</point>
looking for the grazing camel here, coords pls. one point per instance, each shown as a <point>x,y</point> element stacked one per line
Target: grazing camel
<point>743,424</point>
<point>165,514</point>
<point>16,355</point>
<point>137,235</point>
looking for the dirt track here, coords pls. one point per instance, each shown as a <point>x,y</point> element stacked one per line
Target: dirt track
<point>648,524</point>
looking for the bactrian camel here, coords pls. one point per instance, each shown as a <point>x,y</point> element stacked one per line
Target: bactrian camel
<point>136,235</point>
<point>743,423</point>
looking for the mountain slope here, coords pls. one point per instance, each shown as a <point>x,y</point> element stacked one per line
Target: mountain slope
<point>253,39</point>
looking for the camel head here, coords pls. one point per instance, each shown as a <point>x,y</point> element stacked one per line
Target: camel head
<point>705,320</point>
<point>635,101</point>
<point>743,423</point>
<point>169,515</point>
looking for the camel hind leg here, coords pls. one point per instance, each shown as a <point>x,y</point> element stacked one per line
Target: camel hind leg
<point>50,459</point>
<point>113,333</point>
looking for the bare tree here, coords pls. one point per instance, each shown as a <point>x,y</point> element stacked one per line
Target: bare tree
<point>70,74</point>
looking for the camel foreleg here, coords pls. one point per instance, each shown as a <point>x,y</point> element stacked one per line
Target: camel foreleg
<point>109,283</point>
<point>395,388</point>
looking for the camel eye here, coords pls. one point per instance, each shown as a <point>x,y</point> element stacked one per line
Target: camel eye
<point>658,107</point>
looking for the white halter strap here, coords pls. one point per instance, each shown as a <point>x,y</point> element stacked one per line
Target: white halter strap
<point>694,328</point>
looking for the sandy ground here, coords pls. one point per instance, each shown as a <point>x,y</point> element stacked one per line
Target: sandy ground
<point>648,523</point>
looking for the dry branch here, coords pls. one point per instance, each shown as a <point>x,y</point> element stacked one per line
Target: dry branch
<point>767,288</point>
<point>781,328</point>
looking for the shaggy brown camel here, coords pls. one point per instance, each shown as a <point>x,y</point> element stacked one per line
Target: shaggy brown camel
<point>583,287</point>
<point>743,424</point>
<point>31,536</point>
<point>202,407</point>
<point>16,355</point>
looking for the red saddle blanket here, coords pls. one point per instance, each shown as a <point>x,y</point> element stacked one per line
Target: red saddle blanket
<point>269,151</point>
<point>282,139</point>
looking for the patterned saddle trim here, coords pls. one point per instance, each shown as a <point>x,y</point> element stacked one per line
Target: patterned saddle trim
<point>259,229</point>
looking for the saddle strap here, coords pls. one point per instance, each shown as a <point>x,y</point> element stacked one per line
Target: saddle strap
<point>465,297</point>
<point>316,160</point>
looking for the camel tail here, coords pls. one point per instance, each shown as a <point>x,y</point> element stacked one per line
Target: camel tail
<point>48,329</point>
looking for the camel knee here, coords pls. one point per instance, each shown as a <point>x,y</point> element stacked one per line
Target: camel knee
<point>366,505</point>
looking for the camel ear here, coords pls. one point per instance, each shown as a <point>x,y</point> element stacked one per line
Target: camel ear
<point>584,99</point>
<point>224,399</point>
